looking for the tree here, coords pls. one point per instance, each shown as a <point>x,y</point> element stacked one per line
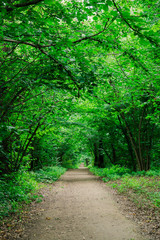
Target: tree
<point>105,53</point>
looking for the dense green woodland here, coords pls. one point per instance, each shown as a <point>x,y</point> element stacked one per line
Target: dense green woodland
<point>79,82</point>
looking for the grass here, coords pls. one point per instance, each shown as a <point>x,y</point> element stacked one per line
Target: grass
<point>142,190</point>
<point>19,188</point>
<point>141,187</point>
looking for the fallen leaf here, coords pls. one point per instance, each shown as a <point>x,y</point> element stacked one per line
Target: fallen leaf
<point>18,230</point>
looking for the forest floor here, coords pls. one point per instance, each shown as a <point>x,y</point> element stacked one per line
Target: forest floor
<point>77,207</point>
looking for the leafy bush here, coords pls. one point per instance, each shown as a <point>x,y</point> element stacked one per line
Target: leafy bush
<point>14,189</point>
<point>48,174</point>
<point>21,187</point>
<point>155,172</point>
<point>115,172</point>
<point>112,173</point>
<point>70,163</point>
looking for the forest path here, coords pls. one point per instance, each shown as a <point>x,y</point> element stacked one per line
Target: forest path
<point>80,207</point>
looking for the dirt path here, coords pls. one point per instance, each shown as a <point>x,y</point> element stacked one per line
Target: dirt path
<point>80,207</point>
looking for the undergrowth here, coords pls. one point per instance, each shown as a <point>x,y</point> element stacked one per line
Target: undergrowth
<point>142,187</point>
<point>48,174</point>
<point>142,190</point>
<point>113,173</point>
<point>19,188</point>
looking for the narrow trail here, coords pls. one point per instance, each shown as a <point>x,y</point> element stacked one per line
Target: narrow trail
<point>81,208</point>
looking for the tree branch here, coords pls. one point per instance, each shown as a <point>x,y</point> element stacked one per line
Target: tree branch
<point>151,40</point>
<point>62,66</point>
<point>96,34</point>
<point>27,43</point>
<point>12,50</point>
<point>47,54</point>
<point>30,98</point>
<point>9,9</point>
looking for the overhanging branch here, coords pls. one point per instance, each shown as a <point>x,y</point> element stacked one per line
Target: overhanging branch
<point>151,40</point>
<point>96,34</point>
<point>27,43</point>
<point>19,5</point>
<point>39,47</point>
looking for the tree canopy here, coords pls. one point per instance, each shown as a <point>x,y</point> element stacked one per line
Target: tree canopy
<point>79,81</point>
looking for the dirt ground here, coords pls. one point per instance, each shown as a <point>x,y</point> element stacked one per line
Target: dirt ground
<point>79,207</point>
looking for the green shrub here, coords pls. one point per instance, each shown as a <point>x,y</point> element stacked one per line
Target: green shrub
<point>116,171</point>
<point>112,173</point>
<point>15,189</point>
<point>155,172</point>
<point>70,164</point>
<point>21,187</point>
<point>48,174</point>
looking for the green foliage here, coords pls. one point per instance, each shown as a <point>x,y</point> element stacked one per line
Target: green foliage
<point>146,188</point>
<point>48,174</point>
<point>16,189</point>
<point>149,173</point>
<point>142,187</point>
<point>79,69</point>
<point>22,187</point>
<point>70,164</point>
<point>119,172</point>
<point>113,173</point>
